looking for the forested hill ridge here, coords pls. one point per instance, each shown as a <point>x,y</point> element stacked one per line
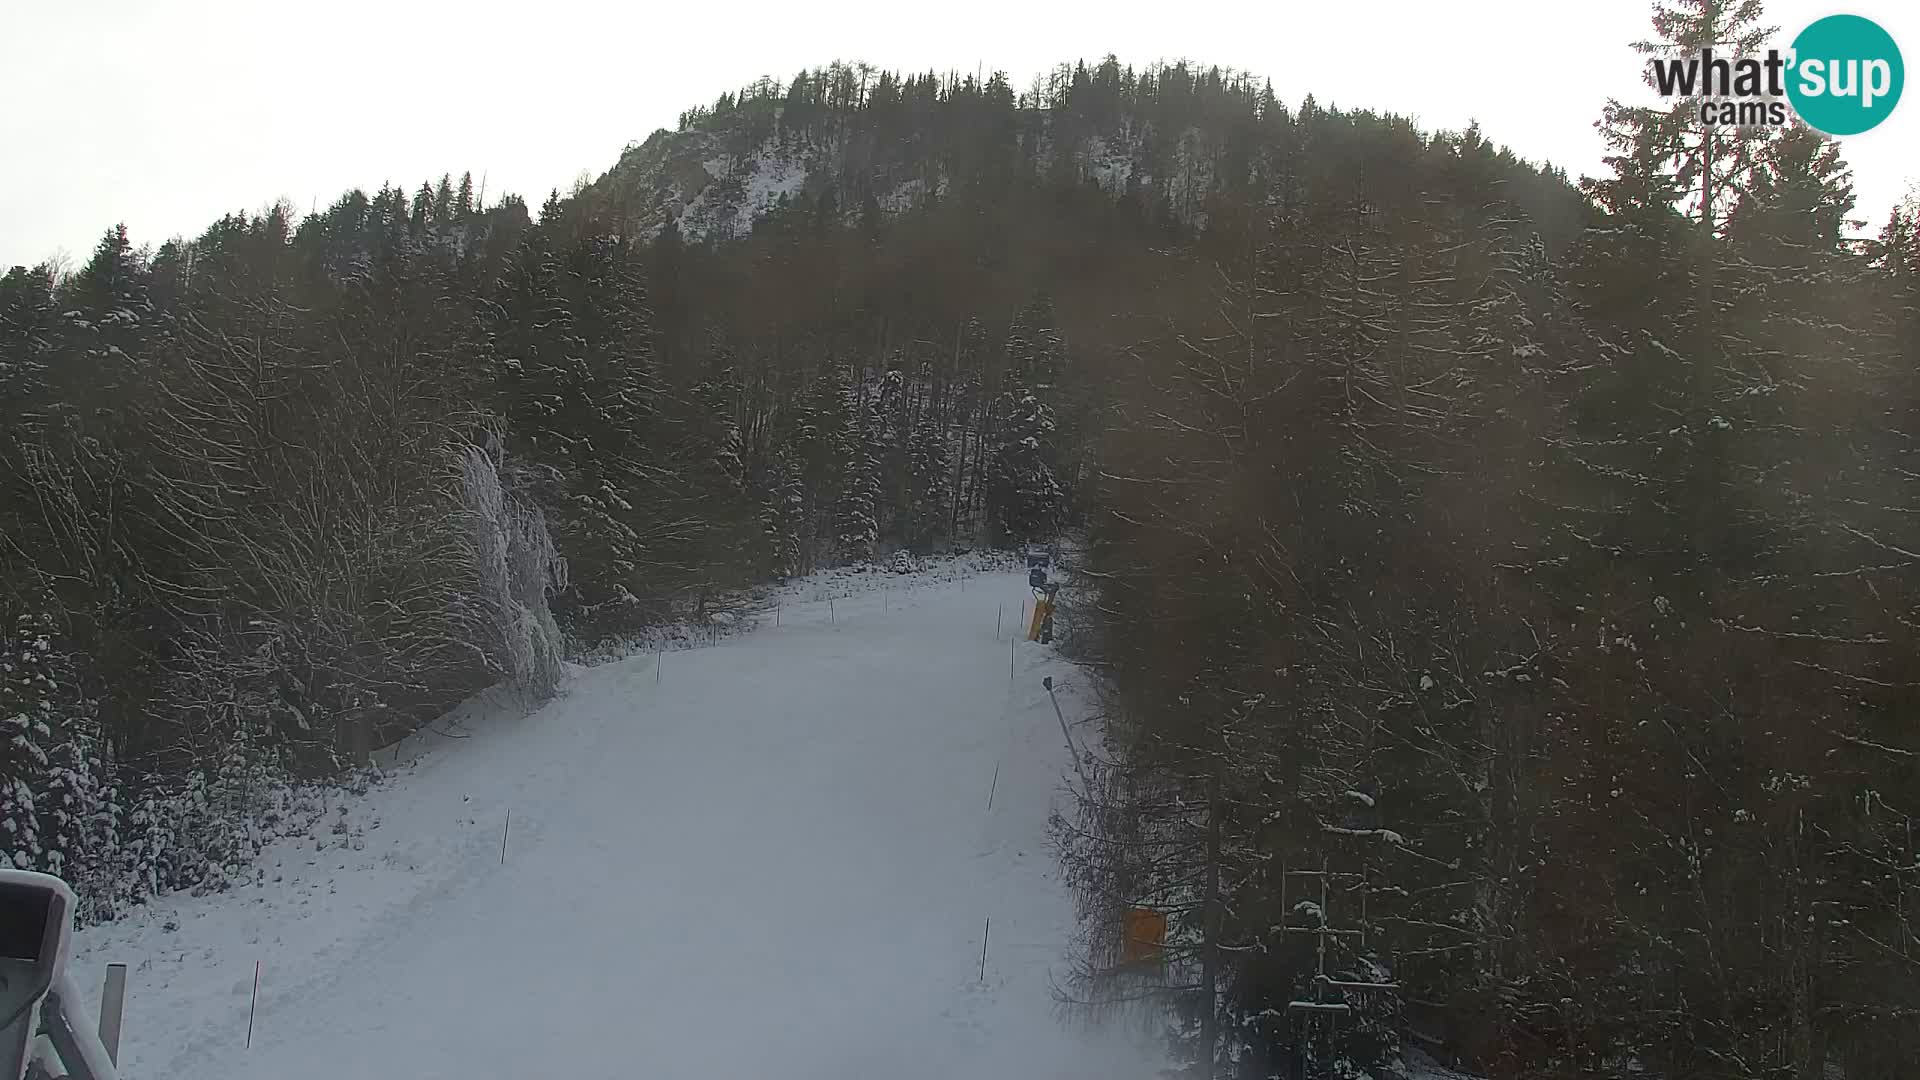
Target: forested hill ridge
<point>1172,138</point>
<point>1541,556</point>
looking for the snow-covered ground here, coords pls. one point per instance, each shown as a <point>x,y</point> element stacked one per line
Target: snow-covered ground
<point>772,857</point>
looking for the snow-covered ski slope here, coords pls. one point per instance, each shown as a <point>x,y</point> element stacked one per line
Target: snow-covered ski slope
<point>774,857</point>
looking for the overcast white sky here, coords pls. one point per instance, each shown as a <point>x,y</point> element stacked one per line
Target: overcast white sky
<point>168,113</point>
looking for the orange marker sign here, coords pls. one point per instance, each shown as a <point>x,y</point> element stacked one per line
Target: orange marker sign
<point>1146,936</point>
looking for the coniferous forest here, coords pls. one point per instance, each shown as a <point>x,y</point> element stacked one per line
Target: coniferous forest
<point>1535,558</point>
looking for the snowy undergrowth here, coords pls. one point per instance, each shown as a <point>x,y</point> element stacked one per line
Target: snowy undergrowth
<point>900,572</point>
<point>765,605</point>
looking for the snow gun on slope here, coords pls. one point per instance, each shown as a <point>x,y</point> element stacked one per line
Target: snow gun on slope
<point>39,1001</point>
<point>1044,593</point>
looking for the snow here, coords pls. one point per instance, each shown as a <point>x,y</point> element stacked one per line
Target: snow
<point>1109,166</point>
<point>777,175</point>
<point>772,856</point>
<point>903,197</point>
<point>1419,1066</point>
<point>718,210</point>
<point>1388,835</point>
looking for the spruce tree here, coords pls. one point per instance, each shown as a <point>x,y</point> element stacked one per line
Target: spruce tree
<point>422,221</point>
<point>28,337</point>
<point>1024,496</point>
<point>856,525</point>
<point>442,212</point>
<point>29,689</point>
<point>819,439</point>
<point>929,482</point>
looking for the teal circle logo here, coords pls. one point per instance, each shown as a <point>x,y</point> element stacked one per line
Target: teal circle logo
<point>1846,76</point>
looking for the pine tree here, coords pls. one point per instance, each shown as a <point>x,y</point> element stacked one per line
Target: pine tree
<point>782,499</point>
<point>1036,355</point>
<point>893,407</point>
<point>1024,498</point>
<point>540,356</point>
<point>115,321</point>
<point>1793,210</point>
<point>713,474</point>
<point>856,526</point>
<point>422,220</point>
<point>1678,156</point>
<point>930,479</point>
<point>571,347</point>
<point>442,213</point>
<point>79,818</point>
<point>818,440</point>
<point>29,688</point>
<point>28,329</point>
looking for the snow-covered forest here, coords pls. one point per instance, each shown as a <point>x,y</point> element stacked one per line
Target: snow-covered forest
<point>1541,554</point>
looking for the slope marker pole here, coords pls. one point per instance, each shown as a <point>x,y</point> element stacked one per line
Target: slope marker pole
<point>252,1004</point>
<point>1067,735</point>
<point>504,830</point>
<point>984,934</point>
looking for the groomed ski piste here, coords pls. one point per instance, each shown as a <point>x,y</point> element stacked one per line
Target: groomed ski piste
<point>776,855</point>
